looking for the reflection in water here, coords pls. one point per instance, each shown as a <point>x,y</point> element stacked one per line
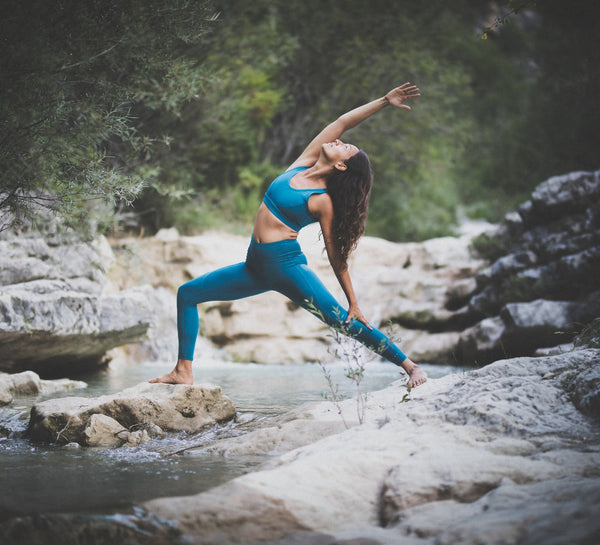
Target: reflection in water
<point>47,478</point>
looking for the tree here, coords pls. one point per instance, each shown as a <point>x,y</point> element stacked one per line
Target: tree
<point>78,80</point>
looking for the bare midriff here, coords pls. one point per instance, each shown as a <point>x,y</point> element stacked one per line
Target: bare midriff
<point>268,228</point>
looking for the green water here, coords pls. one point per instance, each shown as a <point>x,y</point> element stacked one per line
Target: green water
<point>45,478</point>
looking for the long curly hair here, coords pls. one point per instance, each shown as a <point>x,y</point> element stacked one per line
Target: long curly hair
<point>350,190</point>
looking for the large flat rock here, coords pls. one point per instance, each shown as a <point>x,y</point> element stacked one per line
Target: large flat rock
<point>170,407</point>
<point>494,456</point>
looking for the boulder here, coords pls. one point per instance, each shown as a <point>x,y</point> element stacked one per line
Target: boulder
<point>29,383</point>
<point>523,328</point>
<point>59,312</point>
<point>170,407</point>
<point>562,195</point>
<point>104,431</point>
<point>543,323</point>
<point>512,513</point>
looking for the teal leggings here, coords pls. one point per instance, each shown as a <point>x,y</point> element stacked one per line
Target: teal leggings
<point>279,266</point>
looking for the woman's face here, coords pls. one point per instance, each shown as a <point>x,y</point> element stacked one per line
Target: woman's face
<point>339,151</point>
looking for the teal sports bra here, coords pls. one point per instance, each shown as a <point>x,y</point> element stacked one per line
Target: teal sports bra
<point>288,204</point>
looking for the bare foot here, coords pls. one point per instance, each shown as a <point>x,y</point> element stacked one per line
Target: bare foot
<point>181,374</point>
<point>416,375</point>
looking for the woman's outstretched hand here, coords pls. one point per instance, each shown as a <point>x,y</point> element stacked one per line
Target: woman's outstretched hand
<point>396,97</point>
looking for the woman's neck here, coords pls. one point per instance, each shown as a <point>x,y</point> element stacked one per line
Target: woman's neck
<point>318,173</point>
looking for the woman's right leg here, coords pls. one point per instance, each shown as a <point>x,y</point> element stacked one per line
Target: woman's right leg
<point>226,284</point>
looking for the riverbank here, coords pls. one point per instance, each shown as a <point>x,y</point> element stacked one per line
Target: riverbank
<point>505,454</point>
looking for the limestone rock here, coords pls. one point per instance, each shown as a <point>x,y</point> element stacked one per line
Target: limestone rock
<point>104,431</point>
<point>29,383</point>
<point>47,325</point>
<point>561,195</point>
<point>521,328</point>
<point>545,287</point>
<point>170,407</point>
<point>527,514</point>
<point>482,341</point>
<point>499,455</point>
<point>58,309</point>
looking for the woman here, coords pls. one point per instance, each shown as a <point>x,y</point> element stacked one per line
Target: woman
<point>329,183</point>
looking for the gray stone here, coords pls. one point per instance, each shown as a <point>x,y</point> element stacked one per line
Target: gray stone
<point>555,512</point>
<point>46,325</point>
<point>499,455</point>
<point>29,383</point>
<point>561,195</point>
<point>170,407</point>
<point>512,263</point>
<point>546,286</point>
<point>104,431</point>
<point>481,343</point>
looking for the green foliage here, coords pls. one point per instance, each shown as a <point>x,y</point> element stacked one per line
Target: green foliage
<point>516,287</point>
<point>78,79</point>
<point>138,103</point>
<point>490,246</point>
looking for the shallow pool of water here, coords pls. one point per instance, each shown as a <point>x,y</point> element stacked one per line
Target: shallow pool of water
<point>46,478</point>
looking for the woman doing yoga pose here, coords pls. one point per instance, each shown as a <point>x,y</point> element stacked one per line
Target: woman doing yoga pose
<point>329,183</point>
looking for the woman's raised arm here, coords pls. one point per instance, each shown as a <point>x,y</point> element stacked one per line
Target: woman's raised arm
<point>396,97</point>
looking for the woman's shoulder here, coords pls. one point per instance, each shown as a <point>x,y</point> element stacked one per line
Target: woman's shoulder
<point>320,205</point>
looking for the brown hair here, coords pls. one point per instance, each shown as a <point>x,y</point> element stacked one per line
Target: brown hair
<point>350,190</point>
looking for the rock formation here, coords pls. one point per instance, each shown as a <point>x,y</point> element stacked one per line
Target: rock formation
<point>543,287</point>
<point>508,445</point>
<point>129,417</point>
<point>58,314</point>
<point>29,383</point>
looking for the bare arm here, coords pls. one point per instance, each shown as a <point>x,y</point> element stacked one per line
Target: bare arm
<point>396,97</point>
<point>322,208</point>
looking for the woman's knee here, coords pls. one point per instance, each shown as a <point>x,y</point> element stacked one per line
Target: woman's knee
<point>185,293</point>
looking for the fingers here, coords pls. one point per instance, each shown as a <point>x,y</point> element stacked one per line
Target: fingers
<point>360,318</point>
<point>410,91</point>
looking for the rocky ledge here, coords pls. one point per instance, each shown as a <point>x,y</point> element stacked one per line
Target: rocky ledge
<point>129,417</point>
<point>59,313</point>
<point>508,454</point>
<point>543,285</point>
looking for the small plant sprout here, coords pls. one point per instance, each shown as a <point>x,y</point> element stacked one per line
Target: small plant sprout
<point>353,354</point>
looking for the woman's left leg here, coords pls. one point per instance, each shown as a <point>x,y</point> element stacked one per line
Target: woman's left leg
<point>305,288</point>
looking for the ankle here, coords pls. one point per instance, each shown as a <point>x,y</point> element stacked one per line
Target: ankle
<point>183,366</point>
<point>409,366</point>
